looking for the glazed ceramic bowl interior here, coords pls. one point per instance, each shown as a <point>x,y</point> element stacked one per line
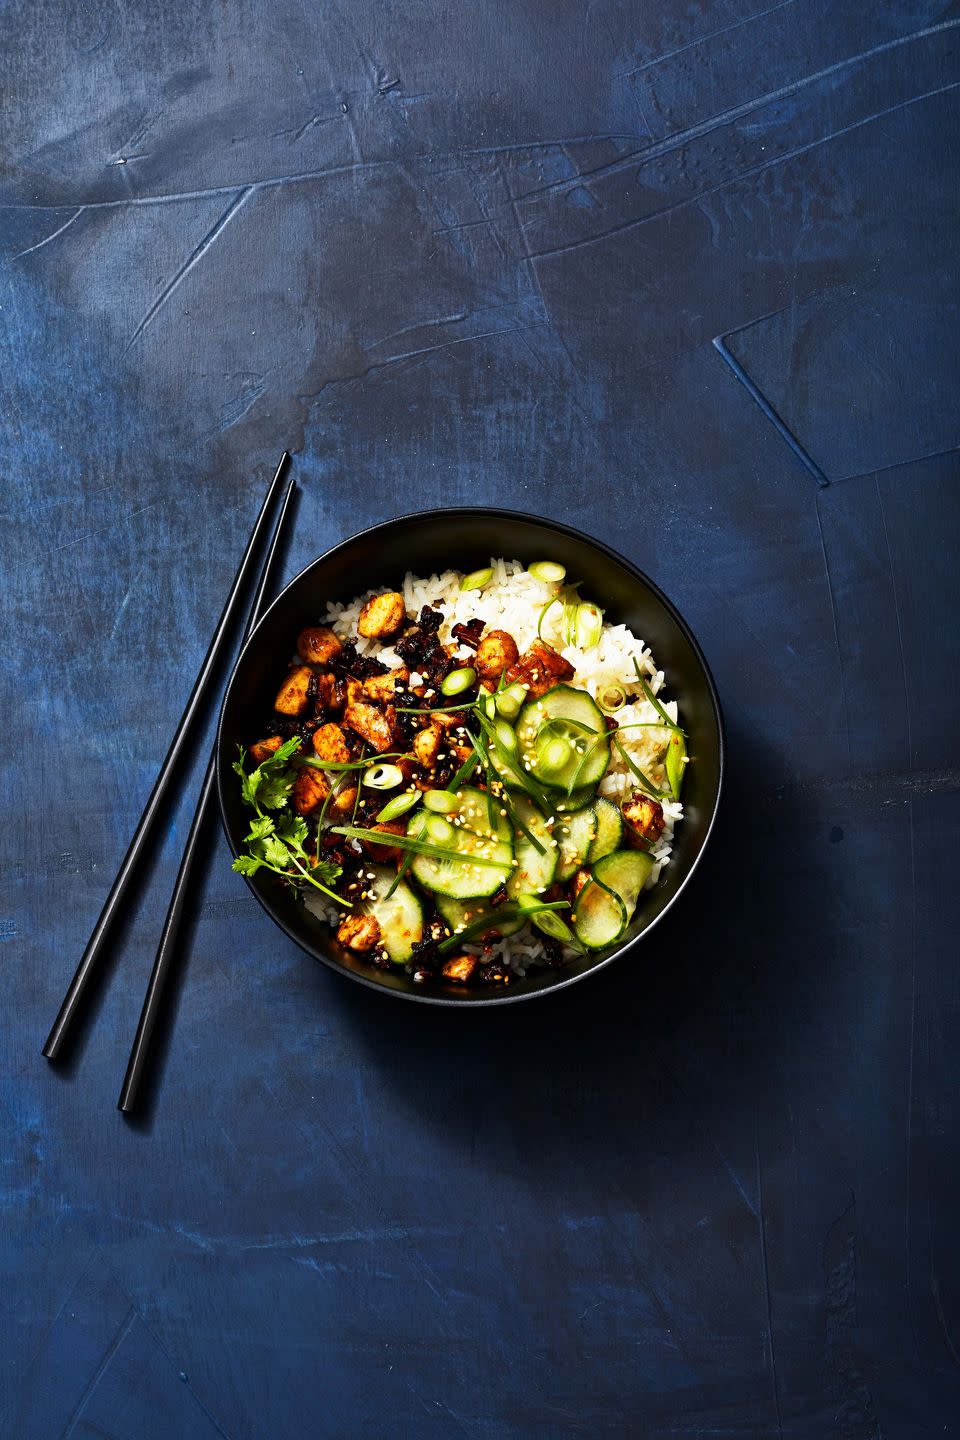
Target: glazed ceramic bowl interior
<point>465,539</point>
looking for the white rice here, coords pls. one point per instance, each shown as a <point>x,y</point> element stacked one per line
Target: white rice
<point>513,601</point>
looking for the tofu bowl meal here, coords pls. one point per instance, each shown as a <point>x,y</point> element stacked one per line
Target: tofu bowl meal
<point>469,756</point>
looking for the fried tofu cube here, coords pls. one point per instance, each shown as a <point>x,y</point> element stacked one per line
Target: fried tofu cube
<point>383,854</point>
<point>260,749</point>
<point>341,806</point>
<point>539,669</point>
<point>318,645</point>
<point>359,932</point>
<point>370,723</point>
<point>382,616</point>
<point>353,691</point>
<point>382,688</point>
<point>426,743</point>
<point>292,697</point>
<point>644,816</point>
<point>460,968</point>
<point>309,791</point>
<point>330,743</point>
<point>496,652</point>
<point>331,692</point>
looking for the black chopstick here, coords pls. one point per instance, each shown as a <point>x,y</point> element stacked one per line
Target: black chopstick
<point>169,940</point>
<point>95,945</point>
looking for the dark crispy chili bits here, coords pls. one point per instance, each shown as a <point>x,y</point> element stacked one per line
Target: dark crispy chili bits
<point>469,633</point>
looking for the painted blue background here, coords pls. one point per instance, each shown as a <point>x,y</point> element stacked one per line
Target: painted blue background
<point>600,260</point>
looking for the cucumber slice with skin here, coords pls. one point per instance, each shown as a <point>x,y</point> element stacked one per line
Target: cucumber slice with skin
<point>563,739</point>
<point>625,872</point>
<point>609,836</point>
<point>576,834</point>
<point>400,918</point>
<point>471,826</point>
<point>466,912</point>
<point>600,916</point>
<point>536,870</point>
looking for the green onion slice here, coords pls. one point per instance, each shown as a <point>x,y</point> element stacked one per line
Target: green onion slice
<point>500,912</point>
<point>675,762</point>
<point>510,701</point>
<point>587,625</point>
<point>477,579</point>
<point>458,680</point>
<point>383,777</point>
<point>441,802</point>
<point>399,805</point>
<point>611,698</point>
<point>548,571</point>
<point>408,842</point>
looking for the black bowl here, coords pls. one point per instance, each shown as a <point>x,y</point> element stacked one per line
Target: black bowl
<point>465,539</point>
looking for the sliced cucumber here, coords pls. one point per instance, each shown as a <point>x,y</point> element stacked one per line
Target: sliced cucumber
<point>576,834</point>
<point>400,918</point>
<point>625,872</point>
<point>466,912</point>
<point>563,739</point>
<point>537,868</point>
<point>600,916</point>
<point>609,836</point>
<point>470,824</point>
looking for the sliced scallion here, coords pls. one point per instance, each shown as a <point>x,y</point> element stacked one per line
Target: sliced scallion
<point>407,842</point>
<point>458,680</point>
<point>675,762</point>
<point>441,802</point>
<point>510,701</point>
<point>500,912</point>
<point>506,735</point>
<point>477,579</point>
<point>399,805</point>
<point>611,698</point>
<point>548,571</point>
<point>587,625</point>
<point>383,777</point>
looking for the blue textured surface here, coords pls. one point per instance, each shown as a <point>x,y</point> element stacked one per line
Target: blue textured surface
<point>450,253</point>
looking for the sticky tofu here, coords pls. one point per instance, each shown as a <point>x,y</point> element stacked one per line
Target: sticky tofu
<point>370,723</point>
<point>318,645</point>
<point>381,688</point>
<point>460,968</point>
<point>292,697</point>
<point>260,749</point>
<point>359,932</point>
<point>382,616</point>
<point>496,652</point>
<point>539,669</point>
<point>426,743</point>
<point>341,806</point>
<point>644,816</point>
<point>383,854</point>
<point>330,743</point>
<point>309,791</point>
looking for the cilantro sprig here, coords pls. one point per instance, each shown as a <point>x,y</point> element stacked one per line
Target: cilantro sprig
<point>277,842</point>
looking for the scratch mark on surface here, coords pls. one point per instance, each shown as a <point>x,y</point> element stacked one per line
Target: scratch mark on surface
<point>836,628</point>
<point>46,241</point>
<point>758,397</point>
<point>679,138</point>
<point>215,230</point>
<point>123,605</point>
<point>120,1334</point>
<point>747,173</point>
<point>938,1306</point>
<point>313,123</point>
<point>703,39</point>
<point>766,1283</point>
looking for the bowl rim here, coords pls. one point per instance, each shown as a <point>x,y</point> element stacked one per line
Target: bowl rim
<point>476,1001</point>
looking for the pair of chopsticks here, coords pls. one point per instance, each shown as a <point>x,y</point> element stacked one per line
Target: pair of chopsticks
<point>167,949</point>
